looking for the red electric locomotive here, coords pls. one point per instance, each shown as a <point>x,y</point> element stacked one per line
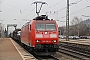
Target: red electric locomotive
<point>41,34</point>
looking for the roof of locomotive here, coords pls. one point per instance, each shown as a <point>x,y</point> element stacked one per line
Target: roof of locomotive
<point>43,19</point>
<point>40,19</point>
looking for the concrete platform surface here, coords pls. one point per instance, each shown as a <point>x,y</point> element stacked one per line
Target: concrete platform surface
<point>8,51</point>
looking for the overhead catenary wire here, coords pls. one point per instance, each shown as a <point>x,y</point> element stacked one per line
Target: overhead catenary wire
<point>76,2</point>
<point>13,6</point>
<point>30,12</point>
<point>56,4</point>
<point>78,11</point>
<point>66,7</point>
<point>53,5</point>
<point>19,9</point>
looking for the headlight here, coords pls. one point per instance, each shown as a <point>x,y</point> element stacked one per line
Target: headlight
<point>53,35</point>
<point>54,41</point>
<point>38,41</point>
<point>38,35</point>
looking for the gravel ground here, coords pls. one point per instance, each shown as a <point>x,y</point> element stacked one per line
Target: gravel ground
<point>64,57</point>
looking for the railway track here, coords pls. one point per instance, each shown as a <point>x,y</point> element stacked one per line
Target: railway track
<point>41,57</point>
<point>76,52</point>
<point>36,56</point>
<point>46,58</point>
<point>77,47</point>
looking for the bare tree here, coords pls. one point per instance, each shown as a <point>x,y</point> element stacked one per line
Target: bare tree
<point>76,26</point>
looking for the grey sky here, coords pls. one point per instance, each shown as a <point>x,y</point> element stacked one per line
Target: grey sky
<point>21,10</point>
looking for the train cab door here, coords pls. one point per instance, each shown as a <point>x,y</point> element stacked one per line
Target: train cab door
<point>29,39</point>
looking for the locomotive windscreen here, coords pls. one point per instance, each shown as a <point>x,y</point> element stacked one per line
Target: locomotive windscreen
<point>40,26</point>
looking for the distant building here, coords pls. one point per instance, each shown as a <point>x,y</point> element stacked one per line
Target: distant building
<point>1,30</point>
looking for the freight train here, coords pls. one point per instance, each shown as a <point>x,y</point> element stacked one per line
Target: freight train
<point>15,34</point>
<point>41,35</point>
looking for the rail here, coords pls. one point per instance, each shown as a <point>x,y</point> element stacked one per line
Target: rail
<point>75,50</point>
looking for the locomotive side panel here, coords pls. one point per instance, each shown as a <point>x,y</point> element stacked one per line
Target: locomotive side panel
<point>28,34</point>
<point>24,34</point>
<point>31,33</point>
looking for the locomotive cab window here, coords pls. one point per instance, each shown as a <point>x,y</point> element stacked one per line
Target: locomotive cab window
<point>50,27</point>
<point>40,26</point>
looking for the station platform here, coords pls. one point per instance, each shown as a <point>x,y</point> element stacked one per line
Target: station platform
<point>78,41</point>
<point>8,51</point>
